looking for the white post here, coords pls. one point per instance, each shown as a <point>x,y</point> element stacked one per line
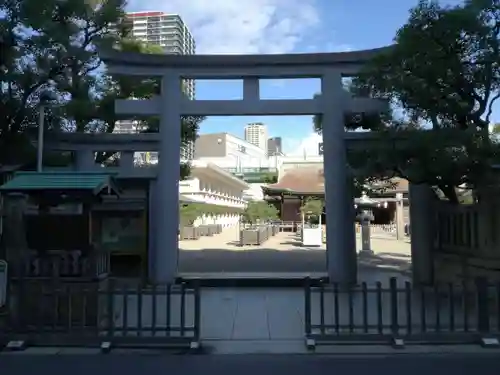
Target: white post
<point>41,130</point>
<point>400,224</point>
<point>339,260</point>
<point>166,250</point>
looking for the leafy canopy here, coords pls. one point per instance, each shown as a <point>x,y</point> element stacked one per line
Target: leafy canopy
<point>259,210</point>
<point>51,47</point>
<point>443,74</point>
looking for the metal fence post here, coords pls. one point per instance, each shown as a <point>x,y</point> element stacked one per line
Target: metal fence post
<point>393,290</point>
<point>483,314</point>
<point>197,310</point>
<point>110,294</point>
<point>307,307</point>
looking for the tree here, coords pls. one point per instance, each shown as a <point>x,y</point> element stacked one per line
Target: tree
<point>443,72</point>
<point>188,213</point>
<point>50,47</point>
<point>259,210</point>
<point>312,208</point>
<point>53,46</point>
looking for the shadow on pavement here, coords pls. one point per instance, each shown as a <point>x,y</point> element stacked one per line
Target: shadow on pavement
<point>270,260</point>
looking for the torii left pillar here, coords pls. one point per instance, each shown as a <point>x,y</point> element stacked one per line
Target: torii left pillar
<point>340,246</point>
<point>164,254</point>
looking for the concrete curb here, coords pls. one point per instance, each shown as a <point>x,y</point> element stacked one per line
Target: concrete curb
<point>285,347</point>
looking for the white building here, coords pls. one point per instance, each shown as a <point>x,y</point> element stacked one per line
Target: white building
<point>256,134</point>
<point>212,185</point>
<point>229,152</point>
<point>167,30</point>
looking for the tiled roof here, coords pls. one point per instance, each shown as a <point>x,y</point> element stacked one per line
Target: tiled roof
<point>311,180</point>
<point>60,181</point>
<point>303,180</point>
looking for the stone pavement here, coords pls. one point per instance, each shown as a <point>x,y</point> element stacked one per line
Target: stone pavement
<point>280,254</point>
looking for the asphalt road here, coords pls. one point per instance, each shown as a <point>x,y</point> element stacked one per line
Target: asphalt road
<point>249,364</point>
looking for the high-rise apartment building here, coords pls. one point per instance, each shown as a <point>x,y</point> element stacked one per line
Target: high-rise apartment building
<point>274,146</point>
<point>256,134</point>
<point>170,32</point>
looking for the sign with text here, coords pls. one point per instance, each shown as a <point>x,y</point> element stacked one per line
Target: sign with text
<point>3,282</point>
<point>320,149</point>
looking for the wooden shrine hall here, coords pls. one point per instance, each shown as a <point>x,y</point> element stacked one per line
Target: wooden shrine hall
<point>298,184</point>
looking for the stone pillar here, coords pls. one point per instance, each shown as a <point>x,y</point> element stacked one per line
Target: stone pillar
<point>400,222</point>
<point>84,160</point>
<point>422,234</point>
<point>167,200</point>
<point>339,260</point>
<point>350,227</point>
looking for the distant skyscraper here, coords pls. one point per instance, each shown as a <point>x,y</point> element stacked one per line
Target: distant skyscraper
<point>170,32</point>
<point>274,146</point>
<point>166,30</point>
<point>256,134</point>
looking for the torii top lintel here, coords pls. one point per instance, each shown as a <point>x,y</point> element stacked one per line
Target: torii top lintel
<point>299,65</point>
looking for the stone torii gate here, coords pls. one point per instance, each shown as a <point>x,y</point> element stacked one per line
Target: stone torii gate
<point>333,103</point>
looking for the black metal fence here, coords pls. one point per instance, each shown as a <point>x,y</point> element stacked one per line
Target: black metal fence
<point>374,313</point>
<point>71,312</point>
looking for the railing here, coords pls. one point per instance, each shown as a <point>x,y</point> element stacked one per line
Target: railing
<point>288,226</point>
<point>466,242</point>
<point>373,313</point>
<point>251,170</point>
<point>457,227</point>
<point>51,312</point>
<point>385,230</point>
<point>64,263</point>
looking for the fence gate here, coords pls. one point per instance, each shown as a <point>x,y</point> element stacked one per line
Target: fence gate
<point>71,312</point>
<point>441,314</point>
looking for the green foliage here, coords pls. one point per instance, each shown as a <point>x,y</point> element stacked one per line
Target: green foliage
<point>188,213</point>
<point>312,207</point>
<point>52,46</point>
<point>259,210</point>
<point>444,73</point>
<point>354,121</point>
<point>270,178</point>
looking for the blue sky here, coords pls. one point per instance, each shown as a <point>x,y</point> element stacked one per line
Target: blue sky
<point>282,26</point>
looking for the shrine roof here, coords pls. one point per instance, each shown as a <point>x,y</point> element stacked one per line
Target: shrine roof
<point>30,182</point>
<point>310,180</point>
<point>307,180</point>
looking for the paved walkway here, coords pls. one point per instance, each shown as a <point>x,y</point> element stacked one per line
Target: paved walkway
<point>263,317</point>
<point>280,254</point>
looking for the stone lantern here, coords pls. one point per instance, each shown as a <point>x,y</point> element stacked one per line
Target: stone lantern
<point>365,217</point>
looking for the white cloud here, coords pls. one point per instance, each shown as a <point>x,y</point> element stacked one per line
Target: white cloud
<point>306,146</point>
<point>241,26</point>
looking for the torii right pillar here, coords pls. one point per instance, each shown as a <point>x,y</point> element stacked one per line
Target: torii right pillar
<point>340,235</point>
